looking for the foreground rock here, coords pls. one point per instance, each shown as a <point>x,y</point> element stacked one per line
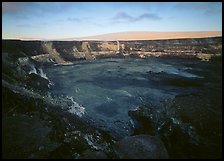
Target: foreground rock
<point>141,147</point>
<point>88,154</point>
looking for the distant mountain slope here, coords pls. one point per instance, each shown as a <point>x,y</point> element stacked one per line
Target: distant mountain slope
<point>149,35</point>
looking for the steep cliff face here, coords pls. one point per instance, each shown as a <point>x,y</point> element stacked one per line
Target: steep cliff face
<point>61,52</point>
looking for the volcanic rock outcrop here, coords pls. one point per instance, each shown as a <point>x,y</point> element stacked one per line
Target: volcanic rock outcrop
<point>65,52</point>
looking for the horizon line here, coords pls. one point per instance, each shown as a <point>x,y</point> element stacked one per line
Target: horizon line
<point>89,37</point>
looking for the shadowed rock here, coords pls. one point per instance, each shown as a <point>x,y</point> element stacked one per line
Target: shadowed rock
<point>88,154</point>
<point>141,147</point>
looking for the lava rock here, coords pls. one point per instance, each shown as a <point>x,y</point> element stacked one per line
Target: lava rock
<point>143,120</point>
<point>88,154</point>
<point>38,82</point>
<point>141,147</point>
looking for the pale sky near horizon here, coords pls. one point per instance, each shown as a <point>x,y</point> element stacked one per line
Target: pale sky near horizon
<point>52,20</point>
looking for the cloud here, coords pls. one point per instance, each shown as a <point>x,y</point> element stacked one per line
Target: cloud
<point>74,19</point>
<point>35,8</point>
<point>25,26</point>
<point>149,17</point>
<point>124,17</point>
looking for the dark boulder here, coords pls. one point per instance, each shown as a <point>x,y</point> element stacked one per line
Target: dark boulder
<point>141,147</point>
<point>88,154</point>
<point>38,82</point>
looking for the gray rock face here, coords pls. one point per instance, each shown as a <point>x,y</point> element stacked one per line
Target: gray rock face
<point>141,147</point>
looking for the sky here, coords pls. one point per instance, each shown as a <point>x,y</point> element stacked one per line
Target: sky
<point>55,20</point>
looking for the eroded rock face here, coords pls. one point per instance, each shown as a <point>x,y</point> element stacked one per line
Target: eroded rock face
<point>63,52</point>
<point>141,147</point>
